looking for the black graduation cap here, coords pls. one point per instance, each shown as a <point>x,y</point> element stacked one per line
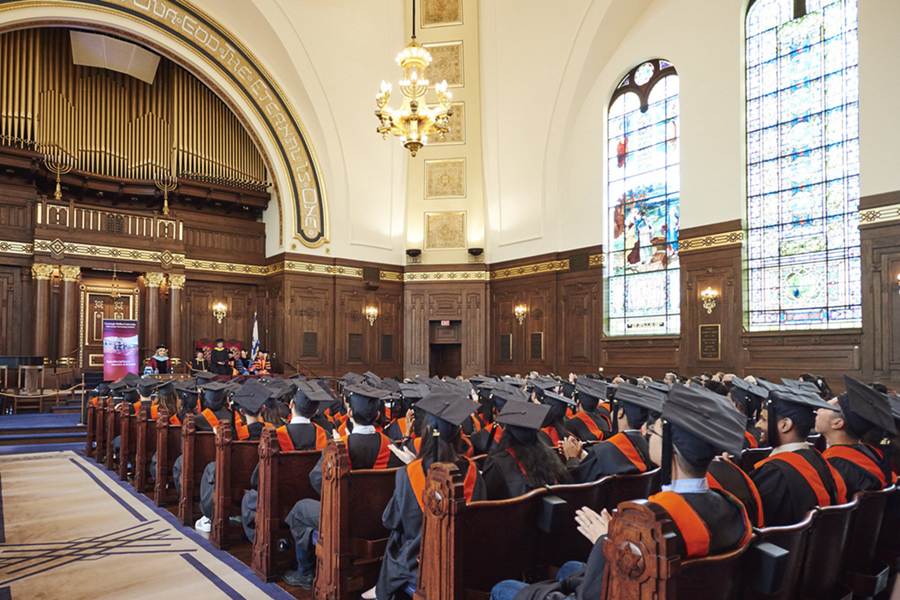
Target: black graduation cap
<point>659,386</point>
<point>214,393</point>
<point>524,419</point>
<point>554,397</point>
<point>769,386</point>
<point>297,377</point>
<point>517,381</point>
<point>351,378</point>
<point>116,387</point>
<point>594,388</point>
<point>251,397</point>
<point>413,391</point>
<point>365,400</point>
<point>542,385</point>
<point>448,406</point>
<point>371,378</point>
<point>166,387</point>
<point>161,346</point>
<point>477,380</point>
<point>805,386</point>
<point>866,408</point>
<point>148,385</point>
<point>503,393</point>
<point>748,395</point>
<point>102,389</point>
<point>894,401</point>
<point>649,399</point>
<point>706,416</point>
<point>220,341</point>
<point>567,388</point>
<point>202,377</point>
<point>391,385</point>
<point>130,395</point>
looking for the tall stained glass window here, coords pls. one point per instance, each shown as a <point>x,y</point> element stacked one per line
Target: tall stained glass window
<point>803,165</point>
<point>641,243</point>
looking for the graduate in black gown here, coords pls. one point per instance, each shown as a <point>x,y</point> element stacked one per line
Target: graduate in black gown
<point>522,462</point>
<point>863,413</point>
<point>592,421</point>
<point>794,478</point>
<point>695,426</point>
<point>748,398</point>
<point>543,391</point>
<point>366,449</point>
<point>625,453</point>
<point>488,439</point>
<point>219,359</point>
<point>215,410</point>
<point>447,408</point>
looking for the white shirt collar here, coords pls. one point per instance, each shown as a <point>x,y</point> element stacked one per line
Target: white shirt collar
<point>687,486</point>
<point>364,429</point>
<point>792,447</point>
<point>298,419</point>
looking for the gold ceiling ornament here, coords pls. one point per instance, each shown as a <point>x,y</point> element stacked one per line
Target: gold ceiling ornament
<point>414,121</point>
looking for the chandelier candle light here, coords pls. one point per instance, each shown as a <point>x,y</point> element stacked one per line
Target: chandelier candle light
<point>414,121</point>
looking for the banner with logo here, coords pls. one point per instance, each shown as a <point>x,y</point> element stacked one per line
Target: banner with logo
<point>120,348</point>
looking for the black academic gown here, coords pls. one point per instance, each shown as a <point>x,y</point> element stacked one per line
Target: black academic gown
<point>856,477</point>
<point>325,423</point>
<point>199,365</point>
<point>724,519</point>
<point>725,475</point>
<point>403,518</point>
<point>363,451</point>
<point>161,366</point>
<point>208,480</point>
<point>503,477</point>
<point>217,356</point>
<point>600,417</point>
<point>786,494</point>
<point>485,440</point>
<point>223,415</point>
<point>608,458</point>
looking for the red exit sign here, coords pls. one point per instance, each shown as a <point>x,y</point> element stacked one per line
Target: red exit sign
<point>445,323</point>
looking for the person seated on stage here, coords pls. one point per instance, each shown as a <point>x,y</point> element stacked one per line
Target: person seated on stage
<point>794,478</point>
<point>249,400</point>
<point>366,449</point>
<point>199,363</point>
<point>447,408</point>
<point>748,399</point>
<point>592,421</point>
<point>522,462</point>
<point>300,434</point>
<point>159,362</point>
<point>625,453</point>
<point>864,413</point>
<point>242,363</point>
<point>694,427</point>
<point>488,439</point>
<point>219,359</point>
<point>261,365</point>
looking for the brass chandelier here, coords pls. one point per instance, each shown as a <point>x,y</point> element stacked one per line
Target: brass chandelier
<point>414,121</point>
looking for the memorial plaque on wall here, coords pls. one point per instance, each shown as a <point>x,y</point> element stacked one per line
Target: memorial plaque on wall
<point>710,338</point>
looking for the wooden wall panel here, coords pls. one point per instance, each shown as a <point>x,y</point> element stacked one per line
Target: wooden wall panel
<point>538,295</point>
<point>202,326</point>
<point>14,316</point>
<point>416,352</point>
<point>310,311</point>
<point>580,322</point>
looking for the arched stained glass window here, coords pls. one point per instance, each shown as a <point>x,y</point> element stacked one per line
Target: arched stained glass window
<point>803,165</point>
<point>641,243</point>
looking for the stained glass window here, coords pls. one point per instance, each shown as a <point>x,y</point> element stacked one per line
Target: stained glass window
<point>641,243</point>
<point>803,166</point>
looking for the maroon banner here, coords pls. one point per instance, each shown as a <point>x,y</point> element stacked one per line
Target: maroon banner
<point>120,348</point>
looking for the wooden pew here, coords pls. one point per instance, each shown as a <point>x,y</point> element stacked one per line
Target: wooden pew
<point>89,427</point>
<point>793,539</point>
<point>352,538</point>
<point>866,576</point>
<point>235,462</point>
<point>825,553</point>
<point>751,456</point>
<point>128,448</point>
<point>145,449</point>
<point>113,427</point>
<point>283,481</point>
<point>198,449</point>
<point>634,487</point>
<point>100,430</point>
<point>168,449</point>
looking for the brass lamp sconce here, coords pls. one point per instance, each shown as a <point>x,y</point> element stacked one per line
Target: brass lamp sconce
<point>898,282</point>
<point>371,315</point>
<point>219,311</point>
<point>521,310</point>
<point>709,297</point>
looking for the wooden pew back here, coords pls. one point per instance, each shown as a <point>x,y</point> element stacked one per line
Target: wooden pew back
<point>128,448</point>
<point>168,449</point>
<point>235,462</point>
<point>352,537</point>
<point>634,487</point>
<point>825,551</point>
<point>863,576</point>
<point>145,449</point>
<point>100,430</point>
<point>89,419</point>
<point>198,449</point>
<point>283,481</point>
<point>113,429</point>
<point>792,538</point>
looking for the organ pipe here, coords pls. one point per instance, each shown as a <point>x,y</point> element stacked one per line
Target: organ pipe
<point>112,124</point>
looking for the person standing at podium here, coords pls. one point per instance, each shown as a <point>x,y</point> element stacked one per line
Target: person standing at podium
<point>219,359</point>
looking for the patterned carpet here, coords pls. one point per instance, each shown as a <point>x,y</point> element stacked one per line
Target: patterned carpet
<point>67,529</point>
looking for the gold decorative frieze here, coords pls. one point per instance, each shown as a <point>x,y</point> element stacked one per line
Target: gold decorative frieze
<point>60,248</point>
<point>544,267</point>
<point>711,241</point>
<point>223,267</point>
<point>441,276</point>
<point>447,64</point>
<point>457,133</point>
<point>292,266</point>
<point>881,214</point>
<point>445,231</point>
<point>445,178</point>
<point>441,13</point>
<point>21,248</point>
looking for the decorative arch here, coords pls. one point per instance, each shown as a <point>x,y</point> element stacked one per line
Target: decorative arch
<point>642,202</point>
<point>211,49</point>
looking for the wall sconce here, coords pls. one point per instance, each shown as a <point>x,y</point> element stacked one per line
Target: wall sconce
<point>709,297</point>
<point>219,311</point>
<point>371,314</point>
<point>520,311</point>
<point>898,282</point>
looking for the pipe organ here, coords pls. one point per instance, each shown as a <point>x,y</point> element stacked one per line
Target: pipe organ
<point>109,123</point>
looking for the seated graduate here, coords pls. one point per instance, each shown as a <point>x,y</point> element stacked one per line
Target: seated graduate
<point>522,462</point>
<point>543,390</point>
<point>215,408</point>
<point>748,399</point>
<point>128,395</point>
<point>401,427</point>
<point>864,413</point>
<point>693,429</point>
<point>794,478</point>
<point>627,452</point>
<point>159,362</point>
<point>366,449</point>
<point>591,423</point>
<point>488,439</point>
<point>447,408</point>
<point>199,363</point>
